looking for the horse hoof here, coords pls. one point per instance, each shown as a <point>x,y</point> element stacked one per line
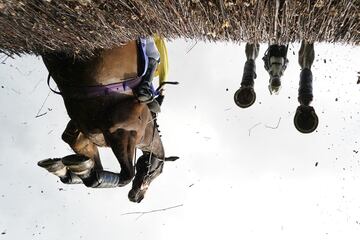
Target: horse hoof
<point>305,119</point>
<point>245,97</point>
<point>54,166</point>
<point>275,86</point>
<point>79,164</point>
<point>136,195</point>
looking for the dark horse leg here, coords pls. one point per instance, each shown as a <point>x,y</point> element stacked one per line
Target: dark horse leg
<point>123,145</point>
<point>306,120</point>
<point>82,167</point>
<point>245,96</point>
<point>275,63</point>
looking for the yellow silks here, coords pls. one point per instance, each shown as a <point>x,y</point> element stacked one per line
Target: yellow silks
<point>163,68</point>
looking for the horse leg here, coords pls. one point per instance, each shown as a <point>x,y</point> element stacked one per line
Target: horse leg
<point>80,145</point>
<point>123,144</point>
<point>306,54</point>
<point>86,162</point>
<point>245,96</point>
<point>306,120</point>
<point>306,59</point>
<point>56,167</point>
<point>275,63</point>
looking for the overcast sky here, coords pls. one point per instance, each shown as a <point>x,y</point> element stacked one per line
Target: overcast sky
<point>231,182</point>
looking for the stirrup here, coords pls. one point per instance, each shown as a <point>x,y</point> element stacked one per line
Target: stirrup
<point>54,166</point>
<point>79,164</point>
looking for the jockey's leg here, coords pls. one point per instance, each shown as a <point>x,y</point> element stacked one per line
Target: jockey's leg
<point>306,120</point>
<point>245,96</point>
<point>145,92</point>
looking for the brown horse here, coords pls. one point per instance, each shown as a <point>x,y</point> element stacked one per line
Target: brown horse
<point>98,96</point>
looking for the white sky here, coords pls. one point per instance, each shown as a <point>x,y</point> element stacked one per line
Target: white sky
<point>262,186</point>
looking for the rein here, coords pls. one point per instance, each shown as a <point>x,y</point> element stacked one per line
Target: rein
<point>48,83</point>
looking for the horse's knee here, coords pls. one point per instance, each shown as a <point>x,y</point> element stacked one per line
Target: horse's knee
<point>79,142</point>
<point>306,55</point>
<point>70,134</point>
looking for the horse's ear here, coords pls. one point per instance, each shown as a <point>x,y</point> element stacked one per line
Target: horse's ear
<point>171,159</point>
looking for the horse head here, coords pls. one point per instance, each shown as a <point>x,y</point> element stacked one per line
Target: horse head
<point>148,167</point>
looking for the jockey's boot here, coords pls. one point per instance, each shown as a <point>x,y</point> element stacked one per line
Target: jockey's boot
<point>246,96</point>
<point>56,167</point>
<point>305,120</point>
<point>148,167</point>
<point>145,91</point>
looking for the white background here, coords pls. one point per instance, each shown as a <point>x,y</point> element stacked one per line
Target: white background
<point>232,183</point>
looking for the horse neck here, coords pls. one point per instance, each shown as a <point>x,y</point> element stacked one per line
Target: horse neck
<point>151,141</point>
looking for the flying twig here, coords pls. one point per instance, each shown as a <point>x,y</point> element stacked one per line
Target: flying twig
<point>38,113</point>
<point>192,47</point>
<point>3,61</point>
<point>151,211</point>
<point>250,129</point>
<point>267,126</point>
